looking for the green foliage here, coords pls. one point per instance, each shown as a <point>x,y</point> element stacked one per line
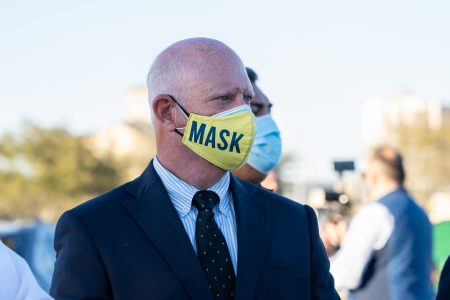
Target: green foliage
<point>50,170</point>
<point>426,150</point>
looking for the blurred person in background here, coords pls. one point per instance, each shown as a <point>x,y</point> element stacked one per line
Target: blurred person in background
<point>386,253</point>
<point>266,150</point>
<point>440,217</point>
<point>332,229</point>
<point>272,182</point>
<point>16,279</point>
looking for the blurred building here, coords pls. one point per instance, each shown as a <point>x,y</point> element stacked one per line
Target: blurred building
<point>137,108</point>
<point>419,126</point>
<point>120,139</point>
<point>131,140</point>
<point>379,114</point>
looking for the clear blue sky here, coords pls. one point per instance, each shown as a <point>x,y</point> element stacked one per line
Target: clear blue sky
<point>71,63</point>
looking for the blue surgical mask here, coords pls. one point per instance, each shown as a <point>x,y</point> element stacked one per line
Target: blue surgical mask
<point>266,151</point>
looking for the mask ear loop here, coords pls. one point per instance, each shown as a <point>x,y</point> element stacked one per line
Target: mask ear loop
<point>184,111</point>
<point>179,132</point>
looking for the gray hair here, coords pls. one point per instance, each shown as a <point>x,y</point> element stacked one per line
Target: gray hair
<point>174,70</point>
<point>167,77</point>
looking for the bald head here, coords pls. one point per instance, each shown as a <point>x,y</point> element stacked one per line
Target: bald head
<point>388,162</point>
<point>188,65</point>
<point>205,77</point>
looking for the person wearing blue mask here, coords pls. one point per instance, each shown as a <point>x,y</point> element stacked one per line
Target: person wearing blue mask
<point>266,151</point>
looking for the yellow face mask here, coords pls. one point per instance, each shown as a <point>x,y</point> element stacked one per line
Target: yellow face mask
<point>224,139</point>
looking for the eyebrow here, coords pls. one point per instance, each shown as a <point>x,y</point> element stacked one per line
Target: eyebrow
<point>261,105</point>
<point>231,92</point>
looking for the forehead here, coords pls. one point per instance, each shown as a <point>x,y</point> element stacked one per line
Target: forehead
<point>218,75</point>
<point>373,165</point>
<point>259,97</point>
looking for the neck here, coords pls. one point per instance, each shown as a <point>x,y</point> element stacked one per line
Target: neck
<point>383,189</point>
<point>193,170</point>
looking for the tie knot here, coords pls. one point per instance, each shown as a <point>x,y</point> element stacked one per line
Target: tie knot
<point>205,200</point>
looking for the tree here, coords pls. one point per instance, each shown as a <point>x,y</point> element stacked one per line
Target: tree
<point>50,170</point>
<point>426,150</point>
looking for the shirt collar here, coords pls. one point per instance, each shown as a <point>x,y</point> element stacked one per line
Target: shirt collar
<point>181,192</point>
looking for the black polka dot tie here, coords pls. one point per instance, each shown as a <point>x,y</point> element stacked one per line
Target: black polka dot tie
<point>212,248</point>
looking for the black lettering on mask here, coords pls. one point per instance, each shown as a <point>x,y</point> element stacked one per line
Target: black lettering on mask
<point>211,138</point>
<point>222,135</point>
<point>197,135</point>
<point>235,142</point>
<point>198,132</point>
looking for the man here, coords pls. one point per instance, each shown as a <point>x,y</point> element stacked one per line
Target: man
<point>386,253</point>
<point>266,150</point>
<point>439,213</point>
<point>186,228</point>
<point>16,279</point>
<point>443,292</point>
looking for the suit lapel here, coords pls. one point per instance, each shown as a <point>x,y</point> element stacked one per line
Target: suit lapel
<point>252,221</point>
<point>157,217</point>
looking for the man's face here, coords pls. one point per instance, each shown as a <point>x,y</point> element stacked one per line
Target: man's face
<point>370,178</point>
<point>217,87</point>
<point>260,103</point>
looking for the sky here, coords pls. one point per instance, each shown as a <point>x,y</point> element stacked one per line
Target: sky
<point>71,63</point>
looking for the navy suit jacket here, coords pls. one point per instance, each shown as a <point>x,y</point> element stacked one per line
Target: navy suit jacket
<point>130,244</point>
<point>444,282</point>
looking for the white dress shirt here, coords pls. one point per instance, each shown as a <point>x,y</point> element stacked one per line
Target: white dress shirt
<point>181,194</point>
<point>369,231</point>
<point>16,280</point>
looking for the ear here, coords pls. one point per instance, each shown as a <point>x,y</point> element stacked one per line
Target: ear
<point>164,110</point>
<point>373,179</point>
